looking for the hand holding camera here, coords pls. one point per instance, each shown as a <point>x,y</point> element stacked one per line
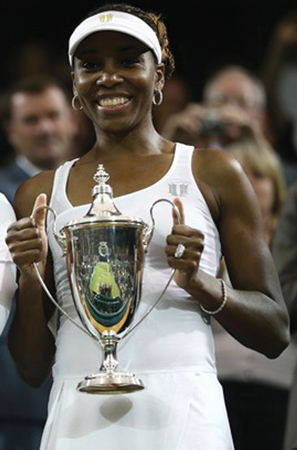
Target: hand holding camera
<point>202,125</point>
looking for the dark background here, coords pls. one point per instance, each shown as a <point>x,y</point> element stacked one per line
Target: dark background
<point>203,33</point>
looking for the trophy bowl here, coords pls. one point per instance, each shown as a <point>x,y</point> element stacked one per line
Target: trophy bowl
<point>105,266</point>
<point>105,253</point>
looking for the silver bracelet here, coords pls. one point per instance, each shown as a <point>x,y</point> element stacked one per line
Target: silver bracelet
<point>222,305</point>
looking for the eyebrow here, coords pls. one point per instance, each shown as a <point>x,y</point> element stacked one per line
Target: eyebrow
<point>142,48</point>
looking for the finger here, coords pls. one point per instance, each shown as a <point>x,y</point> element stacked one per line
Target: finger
<point>179,205</point>
<point>39,216</point>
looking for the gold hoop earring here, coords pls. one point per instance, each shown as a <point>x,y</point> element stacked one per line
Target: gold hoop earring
<point>158,98</point>
<point>75,97</point>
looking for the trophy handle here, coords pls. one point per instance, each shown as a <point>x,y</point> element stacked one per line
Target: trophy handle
<point>60,238</point>
<point>150,231</point>
<point>147,239</point>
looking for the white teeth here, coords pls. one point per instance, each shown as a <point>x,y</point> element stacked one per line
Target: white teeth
<point>115,101</point>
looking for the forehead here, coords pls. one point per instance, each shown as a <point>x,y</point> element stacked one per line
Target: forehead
<point>51,97</point>
<point>234,83</point>
<point>109,41</point>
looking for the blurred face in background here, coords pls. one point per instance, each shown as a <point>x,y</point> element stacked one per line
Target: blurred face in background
<point>41,127</point>
<point>237,92</point>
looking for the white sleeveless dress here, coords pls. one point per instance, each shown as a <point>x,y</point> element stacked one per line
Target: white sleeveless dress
<point>8,283</point>
<point>172,351</point>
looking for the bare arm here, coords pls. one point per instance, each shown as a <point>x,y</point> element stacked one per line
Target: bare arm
<point>255,313</point>
<point>30,340</point>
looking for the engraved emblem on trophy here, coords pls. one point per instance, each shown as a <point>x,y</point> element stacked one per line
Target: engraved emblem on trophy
<point>105,255</point>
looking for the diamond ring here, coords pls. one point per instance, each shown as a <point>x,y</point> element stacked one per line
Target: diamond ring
<point>180,250</point>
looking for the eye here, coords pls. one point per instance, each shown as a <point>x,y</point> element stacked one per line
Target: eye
<point>130,61</point>
<point>90,66</point>
<point>54,115</point>
<point>30,120</point>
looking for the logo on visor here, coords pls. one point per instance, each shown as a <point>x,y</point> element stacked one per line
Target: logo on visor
<point>104,18</point>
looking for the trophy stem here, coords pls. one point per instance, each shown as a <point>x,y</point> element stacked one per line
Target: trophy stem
<point>109,342</point>
<point>108,380</point>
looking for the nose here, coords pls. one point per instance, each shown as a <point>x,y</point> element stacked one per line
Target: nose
<point>45,125</point>
<point>108,78</point>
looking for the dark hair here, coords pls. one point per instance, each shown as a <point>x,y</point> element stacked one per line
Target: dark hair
<point>35,84</point>
<point>154,20</point>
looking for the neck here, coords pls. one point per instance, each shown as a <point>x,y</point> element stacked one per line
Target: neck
<point>134,143</point>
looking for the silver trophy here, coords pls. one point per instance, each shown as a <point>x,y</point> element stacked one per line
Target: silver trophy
<point>105,254</point>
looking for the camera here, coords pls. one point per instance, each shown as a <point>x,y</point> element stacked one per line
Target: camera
<point>211,124</point>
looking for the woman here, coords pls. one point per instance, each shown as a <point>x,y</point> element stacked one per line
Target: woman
<point>255,386</point>
<point>263,168</point>
<point>120,58</point>
<point>7,268</point>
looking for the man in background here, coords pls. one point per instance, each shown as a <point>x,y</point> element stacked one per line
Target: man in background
<point>40,127</point>
<point>233,107</point>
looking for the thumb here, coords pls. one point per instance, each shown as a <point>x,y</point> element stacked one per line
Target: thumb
<point>39,210</point>
<point>179,205</point>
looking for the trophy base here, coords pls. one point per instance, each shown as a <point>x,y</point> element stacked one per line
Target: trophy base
<point>110,383</point>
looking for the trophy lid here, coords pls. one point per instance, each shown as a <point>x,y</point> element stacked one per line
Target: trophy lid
<point>103,208</point>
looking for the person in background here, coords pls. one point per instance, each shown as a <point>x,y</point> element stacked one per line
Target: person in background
<point>256,389</point>
<point>233,107</point>
<point>40,127</point>
<point>284,251</point>
<point>120,58</point>
<point>8,283</point>
<point>265,172</point>
<point>279,74</point>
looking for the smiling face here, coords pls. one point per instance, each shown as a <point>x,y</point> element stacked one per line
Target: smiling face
<point>115,77</point>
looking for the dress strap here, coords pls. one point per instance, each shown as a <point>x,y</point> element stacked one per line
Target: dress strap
<point>59,200</point>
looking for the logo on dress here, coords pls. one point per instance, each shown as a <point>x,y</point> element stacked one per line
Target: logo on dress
<point>178,189</point>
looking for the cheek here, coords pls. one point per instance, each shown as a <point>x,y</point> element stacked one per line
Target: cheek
<point>146,88</point>
<point>82,83</point>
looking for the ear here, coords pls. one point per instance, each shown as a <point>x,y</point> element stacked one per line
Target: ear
<point>159,77</point>
<point>74,90</point>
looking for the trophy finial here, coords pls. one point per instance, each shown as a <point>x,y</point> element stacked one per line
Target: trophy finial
<point>101,176</point>
<point>102,204</point>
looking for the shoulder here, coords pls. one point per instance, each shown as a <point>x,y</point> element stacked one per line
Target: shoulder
<point>30,189</point>
<point>221,180</point>
<point>12,174</point>
<point>215,166</point>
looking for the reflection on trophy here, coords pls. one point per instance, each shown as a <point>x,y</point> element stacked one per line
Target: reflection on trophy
<point>105,253</point>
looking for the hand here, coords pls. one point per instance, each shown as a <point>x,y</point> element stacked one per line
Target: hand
<point>185,125</point>
<point>238,123</point>
<point>235,123</point>
<point>193,240</point>
<point>27,240</point>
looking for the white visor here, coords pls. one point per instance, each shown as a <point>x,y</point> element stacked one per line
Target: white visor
<point>115,21</point>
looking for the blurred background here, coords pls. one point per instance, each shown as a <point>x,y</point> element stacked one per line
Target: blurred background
<point>203,33</point>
